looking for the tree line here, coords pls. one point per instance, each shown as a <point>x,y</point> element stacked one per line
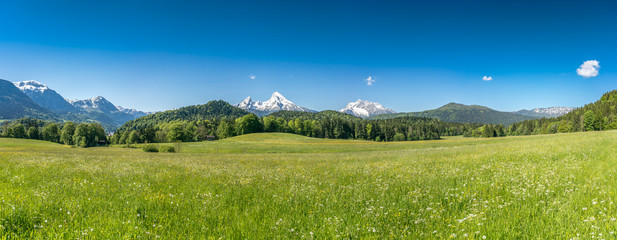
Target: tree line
<point>82,134</point>
<point>307,124</point>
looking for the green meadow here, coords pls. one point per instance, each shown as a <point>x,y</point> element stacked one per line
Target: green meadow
<point>280,186</point>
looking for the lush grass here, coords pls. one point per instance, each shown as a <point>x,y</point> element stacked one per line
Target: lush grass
<point>271,186</point>
<point>291,143</point>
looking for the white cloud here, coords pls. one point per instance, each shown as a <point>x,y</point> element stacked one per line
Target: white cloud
<point>369,81</point>
<point>252,76</point>
<point>589,69</point>
<point>487,78</point>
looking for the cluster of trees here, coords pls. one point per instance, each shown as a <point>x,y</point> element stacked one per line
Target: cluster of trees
<point>327,124</point>
<point>488,130</point>
<point>597,116</point>
<point>83,134</point>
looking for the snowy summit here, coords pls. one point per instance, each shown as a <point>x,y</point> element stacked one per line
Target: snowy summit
<point>98,102</point>
<point>277,102</point>
<point>45,96</point>
<point>546,112</point>
<point>31,85</point>
<point>362,108</point>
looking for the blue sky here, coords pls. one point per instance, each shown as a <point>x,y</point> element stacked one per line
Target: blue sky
<point>158,55</point>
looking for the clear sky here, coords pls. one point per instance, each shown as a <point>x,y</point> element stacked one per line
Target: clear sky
<point>158,55</point>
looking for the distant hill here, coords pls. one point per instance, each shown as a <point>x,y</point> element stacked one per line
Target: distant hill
<point>212,110</point>
<point>97,109</point>
<point>15,104</point>
<point>455,112</point>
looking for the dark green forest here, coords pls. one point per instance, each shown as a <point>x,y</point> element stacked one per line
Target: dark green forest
<point>82,134</point>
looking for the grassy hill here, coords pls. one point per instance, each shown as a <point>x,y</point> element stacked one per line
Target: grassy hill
<point>455,112</point>
<point>288,186</point>
<point>284,143</point>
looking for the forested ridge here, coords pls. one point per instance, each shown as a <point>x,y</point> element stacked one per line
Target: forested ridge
<point>455,112</point>
<point>213,110</point>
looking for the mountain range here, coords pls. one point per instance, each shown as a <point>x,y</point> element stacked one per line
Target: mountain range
<point>37,100</point>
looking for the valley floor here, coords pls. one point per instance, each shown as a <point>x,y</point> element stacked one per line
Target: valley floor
<point>273,186</point>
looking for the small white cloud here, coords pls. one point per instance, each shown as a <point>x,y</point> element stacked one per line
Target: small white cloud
<point>589,69</point>
<point>369,81</point>
<point>487,78</point>
<point>252,76</point>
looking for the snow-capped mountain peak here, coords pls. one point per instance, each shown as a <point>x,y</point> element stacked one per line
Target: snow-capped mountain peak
<point>246,103</point>
<point>545,112</point>
<point>363,108</point>
<point>44,96</point>
<point>553,110</point>
<point>97,102</point>
<point>278,97</point>
<point>31,85</point>
<point>277,102</point>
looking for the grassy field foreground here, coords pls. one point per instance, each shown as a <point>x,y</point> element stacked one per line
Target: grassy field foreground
<point>272,186</point>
